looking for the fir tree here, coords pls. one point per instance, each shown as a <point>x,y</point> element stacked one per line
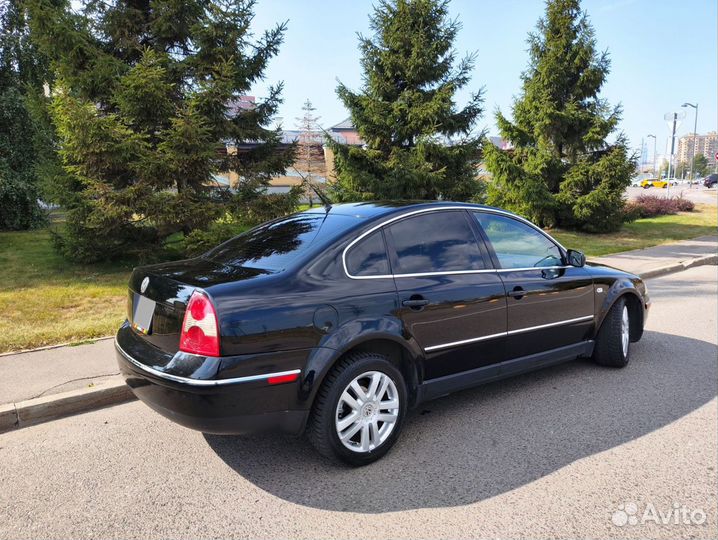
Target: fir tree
<point>418,144</point>
<point>562,171</point>
<point>145,107</point>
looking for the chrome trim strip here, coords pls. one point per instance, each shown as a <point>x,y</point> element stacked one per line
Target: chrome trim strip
<point>463,342</point>
<point>437,209</point>
<point>503,334</point>
<point>532,268</point>
<point>549,325</point>
<point>201,382</point>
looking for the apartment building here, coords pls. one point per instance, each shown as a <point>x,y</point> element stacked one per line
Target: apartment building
<point>706,144</point>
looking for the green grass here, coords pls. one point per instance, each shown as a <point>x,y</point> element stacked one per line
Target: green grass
<point>44,300</point>
<point>644,233</point>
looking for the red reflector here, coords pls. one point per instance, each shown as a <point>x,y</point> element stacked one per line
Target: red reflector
<point>281,379</point>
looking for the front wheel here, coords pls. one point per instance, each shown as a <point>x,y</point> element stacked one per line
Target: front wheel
<point>613,342</point>
<point>359,410</point>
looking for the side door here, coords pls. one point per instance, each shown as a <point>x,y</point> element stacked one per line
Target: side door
<point>450,299</point>
<point>549,303</point>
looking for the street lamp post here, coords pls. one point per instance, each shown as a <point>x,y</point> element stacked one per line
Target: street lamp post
<point>655,173</point>
<point>695,130</point>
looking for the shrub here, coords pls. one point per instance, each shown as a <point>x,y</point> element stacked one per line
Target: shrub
<point>646,206</point>
<point>19,209</point>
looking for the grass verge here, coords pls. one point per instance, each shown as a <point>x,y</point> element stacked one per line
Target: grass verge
<point>644,233</point>
<point>44,300</point>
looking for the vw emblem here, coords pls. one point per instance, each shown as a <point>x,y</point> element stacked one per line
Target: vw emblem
<point>143,286</point>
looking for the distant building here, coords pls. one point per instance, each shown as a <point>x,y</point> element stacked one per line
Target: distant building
<point>704,144</point>
<point>322,158</point>
<point>345,133</point>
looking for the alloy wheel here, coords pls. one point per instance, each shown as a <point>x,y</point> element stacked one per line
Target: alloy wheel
<point>625,331</point>
<point>367,411</point>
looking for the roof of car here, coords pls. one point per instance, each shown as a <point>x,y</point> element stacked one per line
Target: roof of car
<point>374,209</point>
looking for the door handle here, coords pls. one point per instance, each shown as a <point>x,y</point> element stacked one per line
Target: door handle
<point>416,301</point>
<point>517,293</point>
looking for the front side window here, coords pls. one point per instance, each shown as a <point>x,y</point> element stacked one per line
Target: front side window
<point>518,245</point>
<point>368,257</point>
<point>435,242</point>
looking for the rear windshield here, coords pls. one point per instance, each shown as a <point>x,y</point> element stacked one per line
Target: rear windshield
<point>273,245</point>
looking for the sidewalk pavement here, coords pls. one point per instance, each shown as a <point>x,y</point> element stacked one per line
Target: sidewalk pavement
<point>42,385</point>
<point>658,260</point>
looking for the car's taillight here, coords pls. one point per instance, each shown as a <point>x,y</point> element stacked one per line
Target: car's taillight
<point>200,334</point>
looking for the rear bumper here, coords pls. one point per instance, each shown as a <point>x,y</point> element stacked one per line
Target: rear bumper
<point>202,401</point>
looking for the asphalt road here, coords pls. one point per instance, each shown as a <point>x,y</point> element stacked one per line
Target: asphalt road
<point>545,455</point>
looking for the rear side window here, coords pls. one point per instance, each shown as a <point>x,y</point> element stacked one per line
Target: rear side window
<point>518,245</point>
<point>435,242</point>
<point>274,245</point>
<point>368,257</point>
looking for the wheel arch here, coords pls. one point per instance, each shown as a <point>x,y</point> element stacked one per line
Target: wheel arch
<point>403,353</point>
<point>627,290</point>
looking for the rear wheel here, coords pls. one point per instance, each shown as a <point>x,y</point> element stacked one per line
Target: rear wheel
<point>613,343</point>
<point>359,410</point>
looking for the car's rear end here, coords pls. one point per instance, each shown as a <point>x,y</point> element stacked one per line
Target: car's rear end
<point>193,348</point>
<point>169,351</point>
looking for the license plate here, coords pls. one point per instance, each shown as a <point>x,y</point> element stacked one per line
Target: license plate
<point>142,310</point>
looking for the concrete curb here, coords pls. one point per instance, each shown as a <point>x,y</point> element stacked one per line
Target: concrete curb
<point>87,341</point>
<point>679,267</point>
<point>44,409</point>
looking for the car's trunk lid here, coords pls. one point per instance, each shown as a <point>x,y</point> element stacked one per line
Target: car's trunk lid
<point>158,295</point>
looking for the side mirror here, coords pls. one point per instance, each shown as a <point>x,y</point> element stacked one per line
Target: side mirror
<point>576,258</point>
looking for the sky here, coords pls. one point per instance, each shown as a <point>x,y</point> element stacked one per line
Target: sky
<point>663,54</point>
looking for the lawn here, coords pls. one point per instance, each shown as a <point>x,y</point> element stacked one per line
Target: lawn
<point>644,232</point>
<point>44,300</point>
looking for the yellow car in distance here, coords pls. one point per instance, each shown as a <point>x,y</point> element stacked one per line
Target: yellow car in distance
<point>654,182</point>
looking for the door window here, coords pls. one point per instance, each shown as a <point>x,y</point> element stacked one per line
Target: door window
<point>518,245</point>
<point>368,257</point>
<point>435,242</point>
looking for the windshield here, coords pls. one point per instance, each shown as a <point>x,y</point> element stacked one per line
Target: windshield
<point>273,245</point>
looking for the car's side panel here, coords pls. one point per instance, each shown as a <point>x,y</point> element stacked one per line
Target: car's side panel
<point>556,310</point>
<point>463,325</point>
<point>442,386</point>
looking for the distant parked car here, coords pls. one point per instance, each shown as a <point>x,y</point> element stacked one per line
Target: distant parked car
<point>710,180</point>
<point>657,183</point>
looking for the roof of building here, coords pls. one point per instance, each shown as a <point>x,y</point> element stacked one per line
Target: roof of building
<point>345,124</point>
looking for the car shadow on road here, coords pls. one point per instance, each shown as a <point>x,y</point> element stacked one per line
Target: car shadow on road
<point>482,442</point>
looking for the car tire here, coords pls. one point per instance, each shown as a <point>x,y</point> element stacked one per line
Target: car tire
<point>330,409</point>
<point>613,342</point>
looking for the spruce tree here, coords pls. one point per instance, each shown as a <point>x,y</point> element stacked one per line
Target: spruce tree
<point>418,143</point>
<point>145,106</point>
<point>562,170</point>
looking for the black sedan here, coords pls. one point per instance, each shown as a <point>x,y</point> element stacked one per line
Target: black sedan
<point>336,321</point>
